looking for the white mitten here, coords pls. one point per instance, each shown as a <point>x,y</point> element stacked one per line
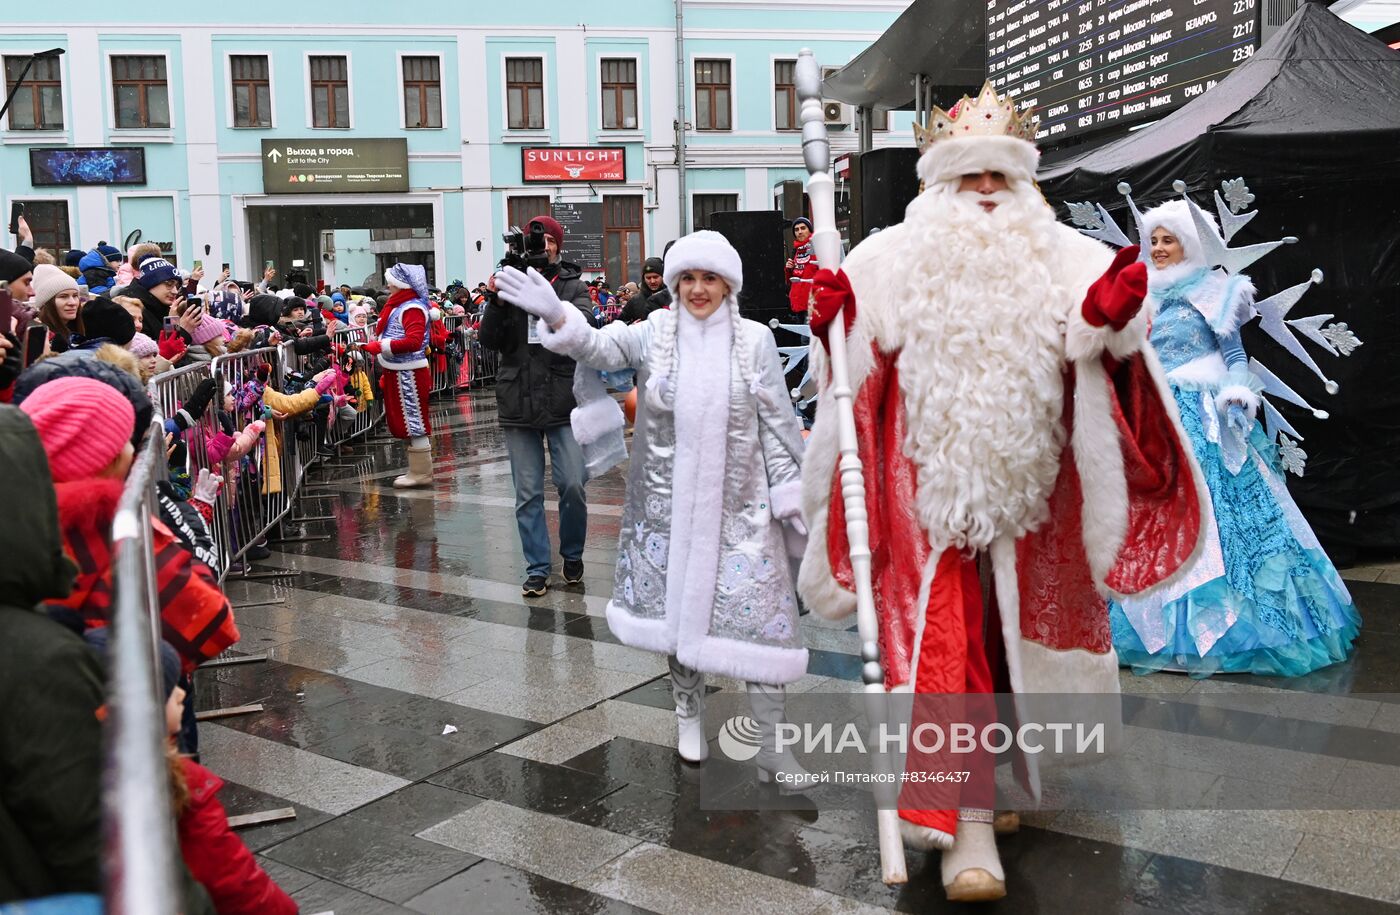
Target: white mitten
<point>206,486</point>
<point>531,292</point>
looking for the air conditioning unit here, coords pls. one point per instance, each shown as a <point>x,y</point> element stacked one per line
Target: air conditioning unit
<point>836,114</point>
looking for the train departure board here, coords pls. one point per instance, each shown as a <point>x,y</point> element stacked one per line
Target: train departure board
<point>1091,64</point>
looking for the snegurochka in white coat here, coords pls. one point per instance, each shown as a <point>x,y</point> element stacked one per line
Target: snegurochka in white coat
<point>703,570</point>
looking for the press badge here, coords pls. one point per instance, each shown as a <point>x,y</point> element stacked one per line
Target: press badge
<point>533,335</point>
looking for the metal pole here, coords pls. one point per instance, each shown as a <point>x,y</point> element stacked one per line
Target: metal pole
<point>19,82</point>
<point>138,825</point>
<point>826,244</point>
<point>683,213</point>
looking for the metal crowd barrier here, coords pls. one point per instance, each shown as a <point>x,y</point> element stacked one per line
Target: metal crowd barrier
<point>364,383</point>
<point>445,374</point>
<point>137,820</point>
<point>485,362</point>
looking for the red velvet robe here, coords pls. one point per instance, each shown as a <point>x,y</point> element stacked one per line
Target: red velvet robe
<point>1060,615</point>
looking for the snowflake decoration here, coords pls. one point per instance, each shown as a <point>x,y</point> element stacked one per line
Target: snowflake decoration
<point>1340,336</point>
<point>1237,195</point>
<point>1293,457</point>
<point>1085,215</point>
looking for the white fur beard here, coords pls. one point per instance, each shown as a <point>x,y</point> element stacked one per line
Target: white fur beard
<point>981,366</point>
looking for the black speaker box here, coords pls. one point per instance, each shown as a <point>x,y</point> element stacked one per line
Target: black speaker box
<point>758,237</point>
<point>883,181</point>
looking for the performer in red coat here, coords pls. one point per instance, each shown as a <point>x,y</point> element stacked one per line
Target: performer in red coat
<point>802,266</point>
<point>402,348</point>
<point>1012,420</point>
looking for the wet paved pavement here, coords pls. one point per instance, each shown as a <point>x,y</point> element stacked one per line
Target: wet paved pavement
<point>451,747</point>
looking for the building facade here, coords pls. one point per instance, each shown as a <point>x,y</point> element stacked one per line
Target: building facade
<point>213,133</point>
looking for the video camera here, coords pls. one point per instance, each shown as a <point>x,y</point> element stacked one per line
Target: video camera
<point>525,250</point>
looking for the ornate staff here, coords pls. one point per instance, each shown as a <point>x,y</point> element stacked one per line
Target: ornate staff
<point>826,244</point>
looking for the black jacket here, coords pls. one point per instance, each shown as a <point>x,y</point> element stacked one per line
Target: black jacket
<point>639,306</point>
<point>153,310</point>
<point>534,387</point>
<point>51,690</point>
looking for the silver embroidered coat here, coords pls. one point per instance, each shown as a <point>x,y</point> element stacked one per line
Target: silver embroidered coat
<point>703,570</point>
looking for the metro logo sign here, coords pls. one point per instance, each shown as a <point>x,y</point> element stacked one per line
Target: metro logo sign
<point>557,164</point>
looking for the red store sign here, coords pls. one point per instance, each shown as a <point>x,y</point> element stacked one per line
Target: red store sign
<point>556,164</point>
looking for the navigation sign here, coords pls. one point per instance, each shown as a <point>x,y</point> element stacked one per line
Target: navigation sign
<point>583,232</point>
<point>339,165</point>
<point>1090,64</point>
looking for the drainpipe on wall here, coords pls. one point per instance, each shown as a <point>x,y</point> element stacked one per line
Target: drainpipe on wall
<point>683,213</point>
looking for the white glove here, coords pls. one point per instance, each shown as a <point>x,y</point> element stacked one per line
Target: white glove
<point>531,292</point>
<point>206,486</point>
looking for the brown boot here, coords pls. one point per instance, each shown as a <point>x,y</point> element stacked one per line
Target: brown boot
<point>420,469</point>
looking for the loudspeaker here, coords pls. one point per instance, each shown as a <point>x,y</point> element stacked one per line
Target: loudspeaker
<point>758,237</point>
<point>883,181</point>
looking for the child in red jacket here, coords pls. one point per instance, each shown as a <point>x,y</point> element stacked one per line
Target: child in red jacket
<point>215,856</point>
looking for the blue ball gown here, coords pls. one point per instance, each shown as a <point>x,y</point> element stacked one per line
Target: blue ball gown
<point>1262,597</point>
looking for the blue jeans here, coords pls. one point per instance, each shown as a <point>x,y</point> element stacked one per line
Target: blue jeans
<point>526,450</point>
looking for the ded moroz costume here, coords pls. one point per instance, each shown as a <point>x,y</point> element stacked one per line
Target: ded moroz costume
<point>1009,413</point>
<point>401,345</point>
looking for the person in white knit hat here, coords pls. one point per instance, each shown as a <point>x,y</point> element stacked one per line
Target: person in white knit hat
<point>703,573</point>
<point>57,300</point>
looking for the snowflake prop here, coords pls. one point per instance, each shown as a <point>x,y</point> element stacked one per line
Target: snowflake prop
<point>1231,200</point>
<point>793,356</point>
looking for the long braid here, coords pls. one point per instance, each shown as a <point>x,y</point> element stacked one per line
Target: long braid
<point>663,364</point>
<point>746,370</point>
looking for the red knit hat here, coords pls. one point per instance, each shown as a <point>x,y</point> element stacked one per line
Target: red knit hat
<point>83,423</point>
<point>551,228</point>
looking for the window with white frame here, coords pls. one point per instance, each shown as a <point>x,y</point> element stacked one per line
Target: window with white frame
<point>422,92</point>
<point>525,93</point>
<point>330,91</point>
<point>252,90</point>
<point>712,95</point>
<point>38,103</point>
<point>140,91</point>
<point>785,107</point>
<point>703,206</point>
<point>619,79</point>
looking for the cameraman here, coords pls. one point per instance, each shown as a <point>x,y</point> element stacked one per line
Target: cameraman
<point>534,394</point>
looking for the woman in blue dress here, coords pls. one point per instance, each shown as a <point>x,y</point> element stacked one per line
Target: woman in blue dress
<point>1262,597</point>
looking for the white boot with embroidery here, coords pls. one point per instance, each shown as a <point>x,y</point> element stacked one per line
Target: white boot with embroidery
<point>688,689</point>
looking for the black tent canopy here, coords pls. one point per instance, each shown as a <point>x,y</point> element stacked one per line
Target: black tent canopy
<point>943,42</point>
<point>1312,122</point>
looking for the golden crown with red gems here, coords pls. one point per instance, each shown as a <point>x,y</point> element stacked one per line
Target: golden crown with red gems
<point>989,115</point>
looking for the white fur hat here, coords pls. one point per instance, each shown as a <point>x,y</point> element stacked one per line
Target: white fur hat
<point>952,158</point>
<point>1175,217</point>
<point>704,250</point>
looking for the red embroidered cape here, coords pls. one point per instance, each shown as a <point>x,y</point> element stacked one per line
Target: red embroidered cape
<point>1060,607</point>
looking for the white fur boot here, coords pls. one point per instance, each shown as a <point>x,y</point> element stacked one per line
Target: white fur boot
<point>971,868</point>
<point>688,689</point>
<point>768,703</point>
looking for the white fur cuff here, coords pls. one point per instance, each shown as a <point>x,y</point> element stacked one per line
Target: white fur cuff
<point>570,338</point>
<point>1083,341</point>
<point>592,421</point>
<point>1237,394</point>
<point>786,499</point>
